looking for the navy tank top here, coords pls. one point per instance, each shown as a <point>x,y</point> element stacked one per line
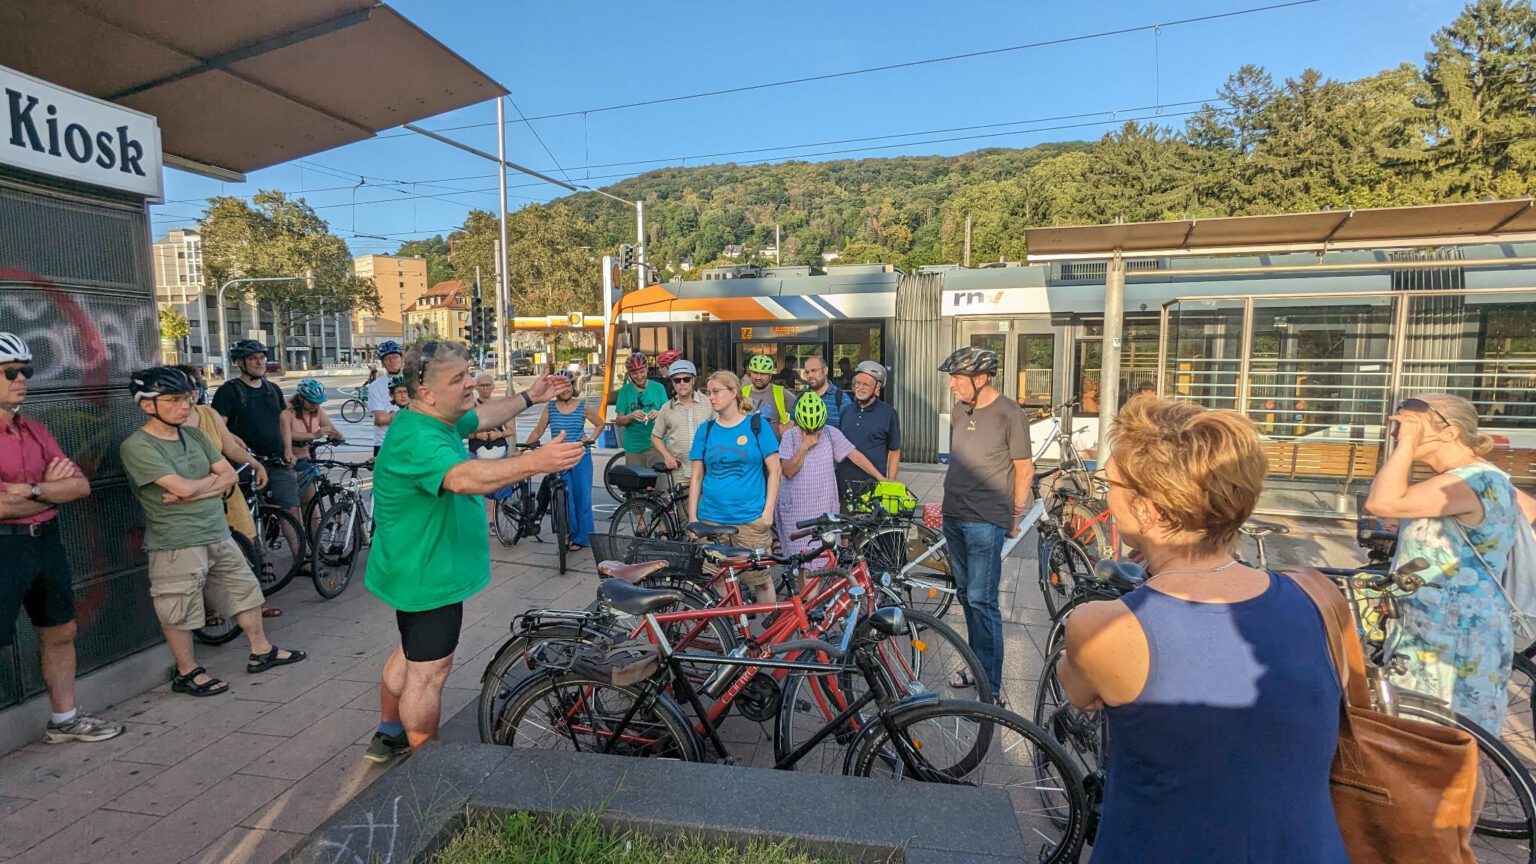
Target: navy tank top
<point>1224,756</point>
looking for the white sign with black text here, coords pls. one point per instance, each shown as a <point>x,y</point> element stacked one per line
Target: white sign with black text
<point>61,133</point>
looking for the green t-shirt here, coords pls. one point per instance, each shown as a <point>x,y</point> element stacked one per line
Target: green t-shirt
<point>637,436</point>
<point>174,526</point>
<point>430,549</point>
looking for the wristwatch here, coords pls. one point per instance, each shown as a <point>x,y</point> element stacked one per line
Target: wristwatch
<point>527,400</point>
<point>36,492</point>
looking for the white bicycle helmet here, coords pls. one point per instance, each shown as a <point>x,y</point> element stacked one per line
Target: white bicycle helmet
<point>873,370</point>
<point>13,350</point>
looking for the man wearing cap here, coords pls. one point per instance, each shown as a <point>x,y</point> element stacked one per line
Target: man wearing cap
<point>180,479</point>
<point>34,573</point>
<point>380,406</point>
<point>871,425</point>
<point>679,420</point>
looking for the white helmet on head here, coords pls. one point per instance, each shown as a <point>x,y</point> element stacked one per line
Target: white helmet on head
<point>682,367</point>
<point>873,370</point>
<point>13,350</point>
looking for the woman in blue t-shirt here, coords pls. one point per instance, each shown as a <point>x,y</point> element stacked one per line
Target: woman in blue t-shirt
<point>736,473</point>
<point>571,415</point>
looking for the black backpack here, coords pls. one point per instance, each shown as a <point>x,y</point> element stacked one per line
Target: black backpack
<point>269,389</point>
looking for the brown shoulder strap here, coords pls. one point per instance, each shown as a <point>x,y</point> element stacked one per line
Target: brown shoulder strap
<point>1348,657</point>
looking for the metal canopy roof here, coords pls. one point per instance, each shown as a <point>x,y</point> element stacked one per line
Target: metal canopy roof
<point>1436,224</point>
<point>239,85</point>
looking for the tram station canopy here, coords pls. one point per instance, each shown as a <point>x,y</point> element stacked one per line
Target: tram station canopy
<point>238,85</point>
<point>1435,224</point>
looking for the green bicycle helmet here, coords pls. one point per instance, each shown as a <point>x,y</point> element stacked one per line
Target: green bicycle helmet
<point>810,412</point>
<point>396,381</point>
<point>760,363</point>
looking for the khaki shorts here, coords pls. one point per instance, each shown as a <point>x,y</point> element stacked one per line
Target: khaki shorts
<point>757,534</point>
<point>179,579</point>
<point>642,460</point>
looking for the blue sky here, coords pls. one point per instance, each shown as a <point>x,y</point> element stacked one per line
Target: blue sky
<point>576,56</point>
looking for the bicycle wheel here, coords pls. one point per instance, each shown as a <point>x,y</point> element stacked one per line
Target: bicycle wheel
<point>612,490</point>
<point>338,547</point>
<point>509,668</point>
<point>219,629</point>
<point>567,712</point>
<point>353,410</point>
<point>915,558</point>
<point>1507,821</point>
<point>508,517</point>
<point>283,545</point>
<point>1086,523</point>
<point>1052,814</point>
<point>560,521</point>
<point>1519,732</point>
<point>1064,568</point>
<point>643,517</point>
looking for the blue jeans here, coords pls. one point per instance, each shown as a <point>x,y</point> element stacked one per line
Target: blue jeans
<point>578,483</point>
<point>976,561</point>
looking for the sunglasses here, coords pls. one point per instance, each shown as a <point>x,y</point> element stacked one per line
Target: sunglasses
<point>428,351</point>
<point>682,379</point>
<point>1420,406</point>
<point>25,371</point>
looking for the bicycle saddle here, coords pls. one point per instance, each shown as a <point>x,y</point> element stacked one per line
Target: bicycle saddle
<point>1256,528</point>
<point>620,595</point>
<point>716,550</point>
<point>710,529</point>
<point>630,573</point>
<point>1122,576</point>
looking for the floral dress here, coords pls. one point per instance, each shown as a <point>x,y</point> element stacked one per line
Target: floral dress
<point>1456,640</point>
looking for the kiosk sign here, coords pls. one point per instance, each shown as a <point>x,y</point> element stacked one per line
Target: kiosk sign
<point>61,133</point>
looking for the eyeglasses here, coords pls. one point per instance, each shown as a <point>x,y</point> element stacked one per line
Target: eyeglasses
<point>428,351</point>
<point>1101,482</point>
<point>1420,406</point>
<point>717,391</point>
<point>184,398</point>
<point>25,371</point>
<point>682,379</point>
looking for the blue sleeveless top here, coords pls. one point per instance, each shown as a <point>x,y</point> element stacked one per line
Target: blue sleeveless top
<point>571,423</point>
<point>1224,756</point>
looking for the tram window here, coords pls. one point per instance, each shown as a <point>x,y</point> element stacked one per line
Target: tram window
<point>787,359</point>
<point>653,340</point>
<point>1037,379</point>
<point>853,344</point>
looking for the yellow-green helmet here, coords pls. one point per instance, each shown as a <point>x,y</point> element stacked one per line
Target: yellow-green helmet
<point>760,363</point>
<point>810,412</point>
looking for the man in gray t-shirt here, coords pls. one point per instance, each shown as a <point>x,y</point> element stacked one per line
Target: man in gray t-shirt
<point>985,493</point>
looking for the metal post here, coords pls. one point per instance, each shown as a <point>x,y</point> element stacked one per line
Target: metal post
<point>966,258</point>
<point>1162,351</point>
<point>1109,368</point>
<point>503,287</point>
<point>320,352</point>
<point>640,244</point>
<point>1245,360</point>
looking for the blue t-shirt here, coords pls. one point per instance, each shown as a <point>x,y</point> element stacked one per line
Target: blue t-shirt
<point>735,489</point>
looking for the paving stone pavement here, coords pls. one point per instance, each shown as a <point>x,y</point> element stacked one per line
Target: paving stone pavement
<point>243,777</point>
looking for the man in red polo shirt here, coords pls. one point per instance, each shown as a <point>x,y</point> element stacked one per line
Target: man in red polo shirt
<point>34,572</point>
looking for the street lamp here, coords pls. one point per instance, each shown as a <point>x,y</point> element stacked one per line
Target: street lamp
<point>223,328</point>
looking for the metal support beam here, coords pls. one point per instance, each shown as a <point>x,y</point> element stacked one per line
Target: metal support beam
<point>1114,329</point>
<point>503,284</point>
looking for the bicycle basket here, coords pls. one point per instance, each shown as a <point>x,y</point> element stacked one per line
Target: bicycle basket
<point>683,558</point>
<point>620,663</point>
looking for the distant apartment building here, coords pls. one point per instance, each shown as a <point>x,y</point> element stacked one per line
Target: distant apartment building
<point>177,259</point>
<point>440,313</point>
<point>400,281</point>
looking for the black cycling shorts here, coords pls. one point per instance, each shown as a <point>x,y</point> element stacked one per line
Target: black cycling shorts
<point>430,635</point>
<point>34,573</point>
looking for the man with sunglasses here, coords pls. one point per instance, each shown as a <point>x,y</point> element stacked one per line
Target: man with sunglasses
<point>430,554</point>
<point>679,419</point>
<point>34,572</point>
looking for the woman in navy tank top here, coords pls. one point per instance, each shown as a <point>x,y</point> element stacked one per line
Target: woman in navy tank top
<point>1221,701</point>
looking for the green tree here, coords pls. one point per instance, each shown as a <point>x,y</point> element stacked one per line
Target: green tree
<point>275,235</point>
<point>174,327</point>
<point>551,265</point>
<point>435,250</point>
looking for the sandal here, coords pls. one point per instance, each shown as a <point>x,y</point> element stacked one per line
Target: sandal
<point>271,612</point>
<point>575,547</point>
<point>263,662</point>
<point>212,687</point>
<point>961,678</point>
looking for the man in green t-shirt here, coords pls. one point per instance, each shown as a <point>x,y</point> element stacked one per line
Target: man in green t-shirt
<point>180,479</point>
<point>639,401</point>
<point>430,553</point>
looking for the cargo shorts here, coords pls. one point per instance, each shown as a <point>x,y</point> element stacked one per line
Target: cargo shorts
<point>180,580</point>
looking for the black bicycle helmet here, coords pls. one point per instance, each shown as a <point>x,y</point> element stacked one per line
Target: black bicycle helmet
<point>970,361</point>
<point>159,381</point>
<point>244,348</point>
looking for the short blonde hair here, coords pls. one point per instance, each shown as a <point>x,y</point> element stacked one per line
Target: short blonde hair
<point>1461,415</point>
<point>1203,469</point>
<point>727,379</point>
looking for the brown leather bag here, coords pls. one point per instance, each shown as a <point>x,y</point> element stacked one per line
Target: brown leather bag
<point>1402,789</point>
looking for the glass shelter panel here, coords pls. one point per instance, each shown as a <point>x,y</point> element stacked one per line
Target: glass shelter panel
<point>1205,347</point>
<point>1320,369</point>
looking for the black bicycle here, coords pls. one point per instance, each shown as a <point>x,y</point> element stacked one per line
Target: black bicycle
<point>341,531</point>
<point>599,695</point>
<point>521,513</point>
<point>282,544</point>
<point>649,511</point>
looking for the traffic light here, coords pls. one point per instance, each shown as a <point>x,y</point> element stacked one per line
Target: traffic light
<point>626,257</point>
<point>490,325</point>
<point>476,322</point>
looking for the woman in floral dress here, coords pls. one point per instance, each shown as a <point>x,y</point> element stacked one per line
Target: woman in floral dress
<point>1455,635</point>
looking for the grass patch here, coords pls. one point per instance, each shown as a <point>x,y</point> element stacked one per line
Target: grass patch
<point>523,838</point>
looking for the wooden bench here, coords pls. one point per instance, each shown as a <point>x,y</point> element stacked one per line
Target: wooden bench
<point>1519,463</point>
<point>1344,461</point>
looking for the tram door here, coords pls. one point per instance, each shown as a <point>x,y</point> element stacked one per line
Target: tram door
<point>1031,351</point>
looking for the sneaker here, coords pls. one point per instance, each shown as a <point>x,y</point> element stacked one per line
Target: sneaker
<point>384,748</point>
<point>82,727</point>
